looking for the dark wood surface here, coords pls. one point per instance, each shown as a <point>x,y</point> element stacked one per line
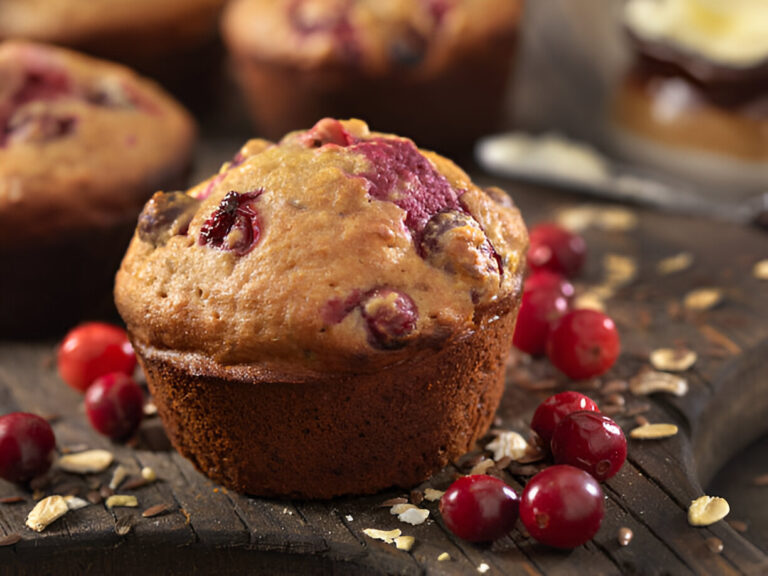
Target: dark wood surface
<point>211,530</point>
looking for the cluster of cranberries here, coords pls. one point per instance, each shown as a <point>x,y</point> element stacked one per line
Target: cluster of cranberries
<point>579,343</point>
<point>561,506</point>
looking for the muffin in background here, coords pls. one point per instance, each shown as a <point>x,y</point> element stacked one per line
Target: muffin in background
<point>433,70</point>
<point>695,101</point>
<point>83,144</point>
<point>327,315</point>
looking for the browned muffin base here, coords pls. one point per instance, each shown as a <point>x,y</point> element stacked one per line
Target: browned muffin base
<point>335,434</point>
<point>446,110</point>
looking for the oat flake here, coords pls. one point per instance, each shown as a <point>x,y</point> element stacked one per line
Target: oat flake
<point>88,462</point>
<point>404,542</point>
<point>650,382</point>
<point>508,444</point>
<point>414,516</point>
<point>676,263</point>
<point>653,431</point>
<point>673,360</point>
<point>387,536</point>
<point>703,298</point>
<point>707,510</point>
<point>432,495</point>
<point>47,511</point>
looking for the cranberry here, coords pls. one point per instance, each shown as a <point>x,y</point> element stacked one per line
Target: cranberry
<point>584,343</point>
<point>115,405</point>
<point>234,225</point>
<point>390,316</point>
<point>550,412</point>
<point>546,279</point>
<point>479,508</point>
<point>590,441</point>
<point>92,350</point>
<point>540,308</point>
<point>562,506</point>
<point>555,248</point>
<point>26,446</point>
<point>166,214</point>
<point>327,131</point>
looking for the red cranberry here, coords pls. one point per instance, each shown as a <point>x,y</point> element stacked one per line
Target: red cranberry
<point>115,405</point>
<point>540,308</point>
<point>234,225</point>
<point>479,508</point>
<point>390,316</point>
<point>26,446</point>
<point>583,344</point>
<point>555,248</point>
<point>562,506</point>
<point>327,131</point>
<point>92,350</point>
<point>590,441</point>
<point>546,279</point>
<point>550,412</point>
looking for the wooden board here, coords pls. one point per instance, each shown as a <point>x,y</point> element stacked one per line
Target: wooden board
<point>211,530</point>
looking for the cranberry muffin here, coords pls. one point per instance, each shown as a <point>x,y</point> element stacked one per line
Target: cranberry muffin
<point>695,101</point>
<point>328,315</point>
<point>83,144</point>
<point>433,70</point>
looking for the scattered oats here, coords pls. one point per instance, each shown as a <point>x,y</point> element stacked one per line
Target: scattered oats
<point>703,298</point>
<point>615,219</point>
<point>132,484</point>
<point>589,300</point>
<point>11,500</point>
<point>148,474</point>
<point>414,516</point>
<point>349,518</point>
<point>117,477</point>
<point>94,497</point>
<point>123,526</point>
<point>673,359</point>
<point>760,270</point>
<point>10,540</point>
<point>444,557</point>
<point>45,512</point>
<point>718,338</point>
<point>432,495</point>
<point>615,400</point>
<point>612,410</point>
<point>155,510</point>
<point>393,501</point>
<point>122,501</point>
<point>387,536</point>
<point>641,420</point>
<point>707,510</point>
<point>625,536</point>
<point>88,462</point>
<point>75,503</point>
<point>481,467</point>
<point>638,409</point>
<point>483,568</point>
<point>404,542</point>
<point>287,512</point>
<point>577,218</point>
<point>714,545</point>
<point>400,508</point>
<point>761,480</point>
<point>620,270</point>
<point>653,431</point>
<point>150,409</point>
<point>738,525</point>
<point>676,263</point>
<point>508,444</point>
<point>650,382</point>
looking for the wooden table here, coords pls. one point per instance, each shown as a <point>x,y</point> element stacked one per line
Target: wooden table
<point>211,530</point>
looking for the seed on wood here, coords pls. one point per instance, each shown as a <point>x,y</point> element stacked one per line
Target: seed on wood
<point>10,540</point>
<point>72,448</point>
<point>538,385</point>
<point>432,495</point>
<point>94,497</point>
<point>481,467</point>
<point>614,387</point>
<point>707,510</point>
<point>619,269</point>
<point>637,409</point>
<point>117,477</point>
<point>760,270</point>
<point>613,410</point>
<point>148,474</point>
<point>738,525</point>
<point>651,382</point>
<point>11,500</point>
<point>483,568</point>
<point>156,510</point>
<point>761,480</point>
<point>88,462</point>
<point>593,384</point>
<point>615,400</point>
<point>714,545</point>
<point>75,503</point>
<point>123,526</point>
<point>703,298</point>
<point>404,542</point>
<point>673,359</point>
<point>444,557</point>
<point>417,496</point>
<point>150,409</point>
<point>400,508</point>
<point>641,420</point>
<point>387,536</point>
<point>653,431</point>
<point>105,491</point>
<point>121,500</point>
<point>625,536</point>
<point>508,443</point>
<point>719,339</point>
<point>393,502</point>
<point>589,300</point>
<point>676,263</point>
<point>134,483</point>
<point>45,512</point>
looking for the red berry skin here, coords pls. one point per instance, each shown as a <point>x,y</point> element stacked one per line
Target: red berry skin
<point>550,412</point>
<point>555,248</point>
<point>590,441</point>
<point>92,350</point>
<point>562,506</point>
<point>583,344</point>
<point>540,309</point>
<point>547,279</point>
<point>26,446</point>
<point>479,508</point>
<point>114,404</point>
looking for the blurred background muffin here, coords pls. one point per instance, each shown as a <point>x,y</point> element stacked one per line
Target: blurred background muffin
<point>83,144</point>
<point>433,70</point>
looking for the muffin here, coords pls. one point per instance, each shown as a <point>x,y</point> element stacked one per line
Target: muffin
<point>328,315</point>
<point>695,101</point>
<point>170,40</point>
<point>433,70</point>
<point>83,145</point>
